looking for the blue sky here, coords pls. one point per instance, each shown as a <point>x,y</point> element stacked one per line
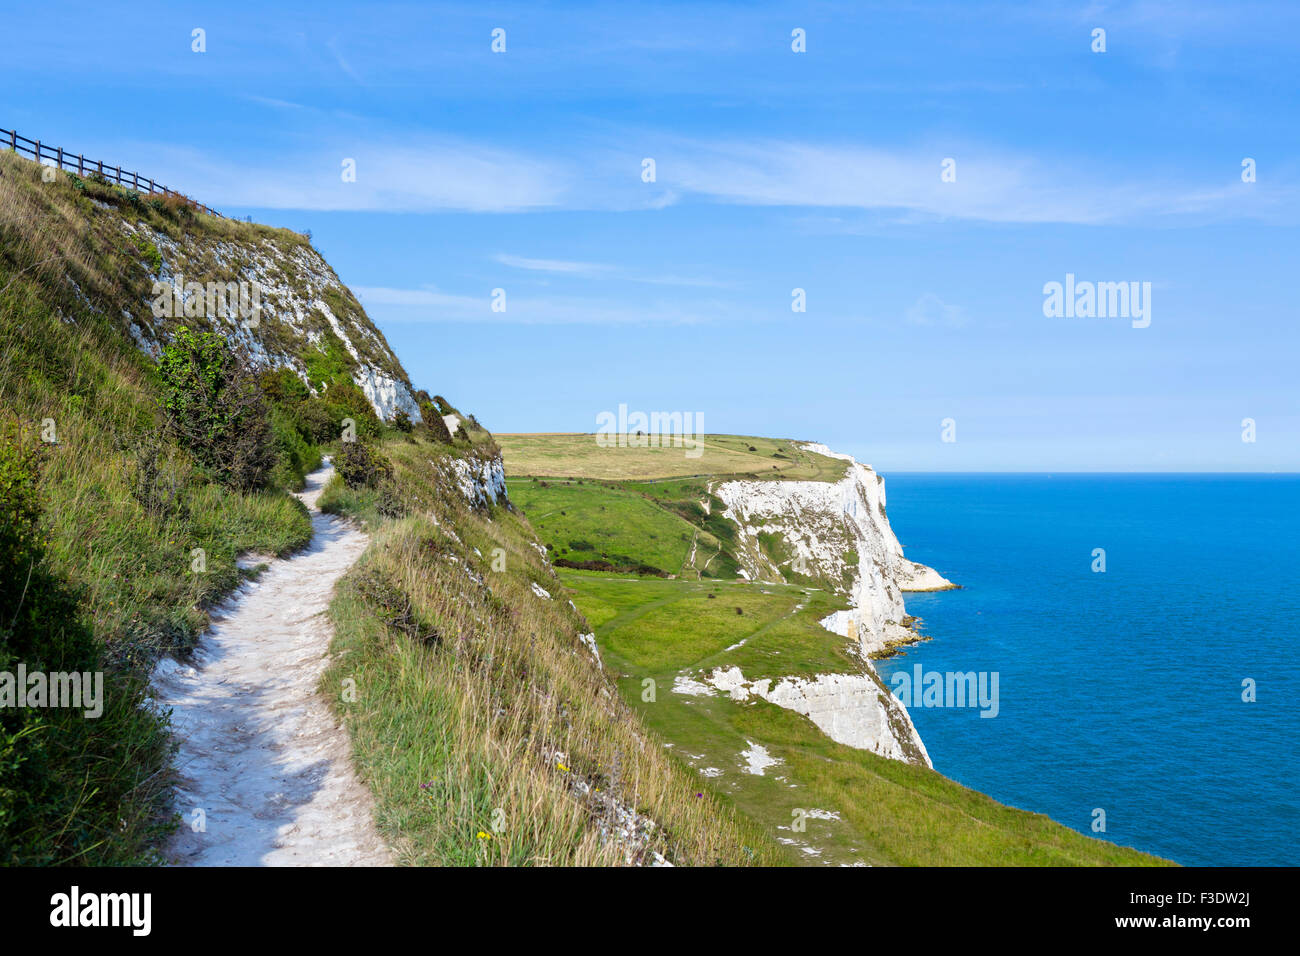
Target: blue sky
<point>775,170</point>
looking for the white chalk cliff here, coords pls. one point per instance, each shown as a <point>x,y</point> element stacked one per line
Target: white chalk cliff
<point>296,287</point>
<point>837,532</point>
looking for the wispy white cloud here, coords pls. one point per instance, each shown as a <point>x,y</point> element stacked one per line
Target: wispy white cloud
<point>433,174</point>
<point>429,305</point>
<point>554,265</point>
<point>333,46</point>
<point>274,102</point>
<point>429,176</point>
<point>597,270</point>
<point>988,187</point>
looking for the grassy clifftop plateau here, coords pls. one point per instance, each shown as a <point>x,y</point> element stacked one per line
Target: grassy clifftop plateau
<point>741,456</point>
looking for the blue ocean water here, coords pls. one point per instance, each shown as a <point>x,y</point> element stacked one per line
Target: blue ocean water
<point>1119,690</point>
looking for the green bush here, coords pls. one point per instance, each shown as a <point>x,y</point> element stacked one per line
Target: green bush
<point>346,400</point>
<point>297,454</point>
<point>215,409</point>
<point>283,387</point>
<point>316,422</point>
<point>434,425</point>
<point>360,466</point>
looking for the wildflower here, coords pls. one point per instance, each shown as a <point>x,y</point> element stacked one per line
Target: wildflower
<point>562,767</point>
<point>484,836</point>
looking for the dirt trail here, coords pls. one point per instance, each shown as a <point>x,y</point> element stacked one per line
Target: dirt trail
<point>261,753</point>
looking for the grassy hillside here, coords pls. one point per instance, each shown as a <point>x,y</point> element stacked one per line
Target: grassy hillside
<point>583,522</point>
<point>132,479</point>
<point>117,512</point>
<point>857,807</point>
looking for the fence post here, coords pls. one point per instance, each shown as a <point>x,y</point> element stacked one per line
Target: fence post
<point>13,140</point>
<point>81,162</point>
<point>60,157</point>
<point>38,151</point>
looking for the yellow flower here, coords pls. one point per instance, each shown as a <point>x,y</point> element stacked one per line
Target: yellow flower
<point>562,767</point>
<point>484,836</point>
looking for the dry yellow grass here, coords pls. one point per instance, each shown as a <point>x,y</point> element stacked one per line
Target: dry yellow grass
<point>561,455</point>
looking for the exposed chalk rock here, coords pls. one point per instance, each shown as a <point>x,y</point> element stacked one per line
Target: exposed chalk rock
<point>295,285</point>
<point>836,531</point>
<point>482,480</point>
<point>589,642</point>
<point>852,709</point>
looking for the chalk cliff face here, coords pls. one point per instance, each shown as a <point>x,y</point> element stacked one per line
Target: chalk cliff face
<point>851,709</point>
<point>836,532</point>
<point>833,534</point>
<point>301,303</point>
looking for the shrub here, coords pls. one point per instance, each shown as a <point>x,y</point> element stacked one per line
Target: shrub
<point>434,425</point>
<point>297,455</point>
<point>360,466</point>
<point>402,422</point>
<point>215,410</point>
<point>150,253</point>
<point>621,567</point>
<point>346,400</point>
<point>283,386</point>
<point>315,422</point>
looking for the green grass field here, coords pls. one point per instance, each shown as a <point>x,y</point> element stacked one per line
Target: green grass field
<point>587,521</point>
<point>777,623</point>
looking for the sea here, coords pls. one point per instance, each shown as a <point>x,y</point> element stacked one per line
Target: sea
<point>1142,629</point>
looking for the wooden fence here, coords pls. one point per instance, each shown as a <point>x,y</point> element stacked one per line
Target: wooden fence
<point>77,163</point>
